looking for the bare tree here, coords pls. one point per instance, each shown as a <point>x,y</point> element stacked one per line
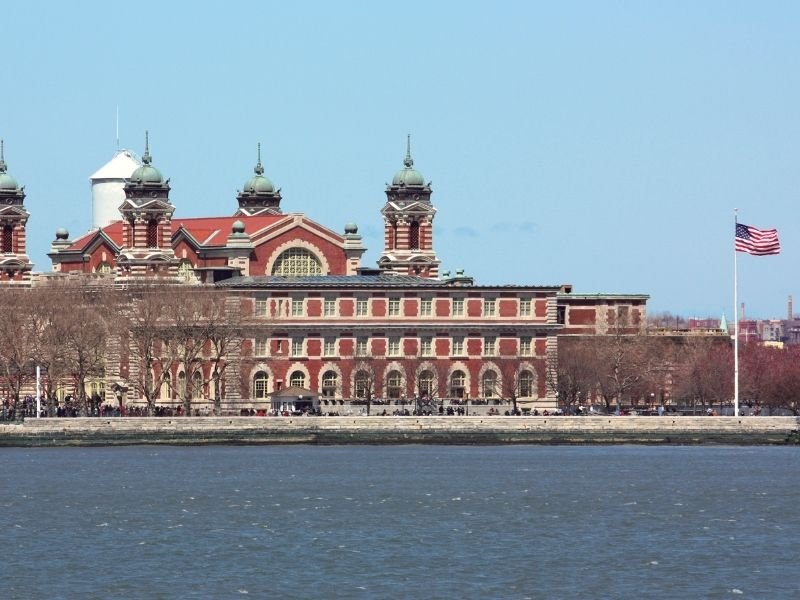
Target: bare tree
<point>149,335</point>
<point>18,340</point>
<point>190,312</point>
<point>225,332</point>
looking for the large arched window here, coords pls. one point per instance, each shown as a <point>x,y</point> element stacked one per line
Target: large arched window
<point>425,385</point>
<point>260,385</point>
<point>362,384</point>
<point>413,236</point>
<point>394,385</point>
<point>197,386</point>
<point>489,384</point>
<point>297,379</point>
<point>297,262</point>
<point>104,268</point>
<point>152,234</point>
<point>526,384</point>
<point>457,382</point>
<point>329,381</point>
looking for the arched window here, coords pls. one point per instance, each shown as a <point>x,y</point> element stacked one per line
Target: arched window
<point>260,385</point>
<point>393,235</point>
<point>186,270</point>
<point>394,385</point>
<point>197,386</point>
<point>362,384</point>
<point>457,382</point>
<point>165,392</point>
<point>413,236</point>
<point>103,268</point>
<point>526,384</point>
<point>489,384</point>
<point>425,385</point>
<point>329,381</point>
<point>181,385</point>
<point>152,234</point>
<point>8,238</point>
<point>297,379</point>
<point>297,262</point>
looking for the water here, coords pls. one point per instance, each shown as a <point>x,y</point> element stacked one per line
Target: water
<point>400,522</point>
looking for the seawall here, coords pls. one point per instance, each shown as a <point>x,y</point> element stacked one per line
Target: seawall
<point>51,432</point>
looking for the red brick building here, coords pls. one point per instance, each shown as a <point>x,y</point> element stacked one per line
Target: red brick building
<point>317,319</point>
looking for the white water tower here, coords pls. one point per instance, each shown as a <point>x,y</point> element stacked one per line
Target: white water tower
<point>107,187</point>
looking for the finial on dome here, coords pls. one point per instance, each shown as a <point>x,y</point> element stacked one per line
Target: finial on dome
<point>259,170</point>
<point>408,162</point>
<point>146,158</point>
<point>2,158</point>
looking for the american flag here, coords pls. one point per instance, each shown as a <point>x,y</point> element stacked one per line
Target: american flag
<point>757,241</point>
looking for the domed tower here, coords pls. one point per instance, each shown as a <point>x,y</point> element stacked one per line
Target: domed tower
<point>108,187</point>
<point>259,196</point>
<point>408,224</point>
<point>15,266</point>
<point>147,224</point>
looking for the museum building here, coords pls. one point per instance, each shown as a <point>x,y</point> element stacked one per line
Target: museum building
<point>315,315</point>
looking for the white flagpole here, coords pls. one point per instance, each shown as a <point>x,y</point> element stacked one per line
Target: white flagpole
<point>735,321</point>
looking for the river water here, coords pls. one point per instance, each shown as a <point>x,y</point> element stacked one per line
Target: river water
<point>400,522</point>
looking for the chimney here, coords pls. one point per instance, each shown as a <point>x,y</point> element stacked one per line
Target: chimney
<point>743,317</point>
<point>791,312</point>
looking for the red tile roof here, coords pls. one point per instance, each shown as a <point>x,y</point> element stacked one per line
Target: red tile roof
<point>206,231</point>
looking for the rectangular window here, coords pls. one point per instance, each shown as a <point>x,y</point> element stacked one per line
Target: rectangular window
<point>394,346</point>
<point>426,346</point>
<point>425,307</point>
<point>262,347</point>
<point>330,307</point>
<point>361,346</point>
<point>489,307</point>
<point>329,349</point>
<point>488,345</point>
<point>525,346</point>
<point>394,307</point>
<point>261,307</point>
<point>362,307</point>
<point>297,307</point>
<point>458,346</point>
<point>297,346</point>
<point>525,307</point>
<point>458,307</point>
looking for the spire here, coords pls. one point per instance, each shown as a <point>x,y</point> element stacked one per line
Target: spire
<point>408,162</point>
<point>2,158</point>
<point>259,170</point>
<point>146,158</point>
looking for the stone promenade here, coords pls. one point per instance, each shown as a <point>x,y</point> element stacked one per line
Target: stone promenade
<point>400,430</point>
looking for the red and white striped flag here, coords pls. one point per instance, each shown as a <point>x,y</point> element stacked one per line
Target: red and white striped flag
<point>759,242</point>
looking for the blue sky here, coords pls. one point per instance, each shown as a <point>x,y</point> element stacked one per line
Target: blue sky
<point>602,144</point>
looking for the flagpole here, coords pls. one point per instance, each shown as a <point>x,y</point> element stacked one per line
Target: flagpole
<point>735,322</point>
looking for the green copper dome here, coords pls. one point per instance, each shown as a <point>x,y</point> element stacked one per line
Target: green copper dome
<point>258,183</point>
<point>7,182</point>
<point>408,176</point>
<point>146,173</point>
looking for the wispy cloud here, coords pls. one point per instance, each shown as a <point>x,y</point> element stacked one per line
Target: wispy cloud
<point>465,232</point>
<point>509,227</point>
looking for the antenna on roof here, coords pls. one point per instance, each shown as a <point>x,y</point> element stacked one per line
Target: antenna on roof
<point>117,126</point>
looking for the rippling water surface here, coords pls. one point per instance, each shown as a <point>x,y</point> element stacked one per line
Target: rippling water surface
<point>400,522</point>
